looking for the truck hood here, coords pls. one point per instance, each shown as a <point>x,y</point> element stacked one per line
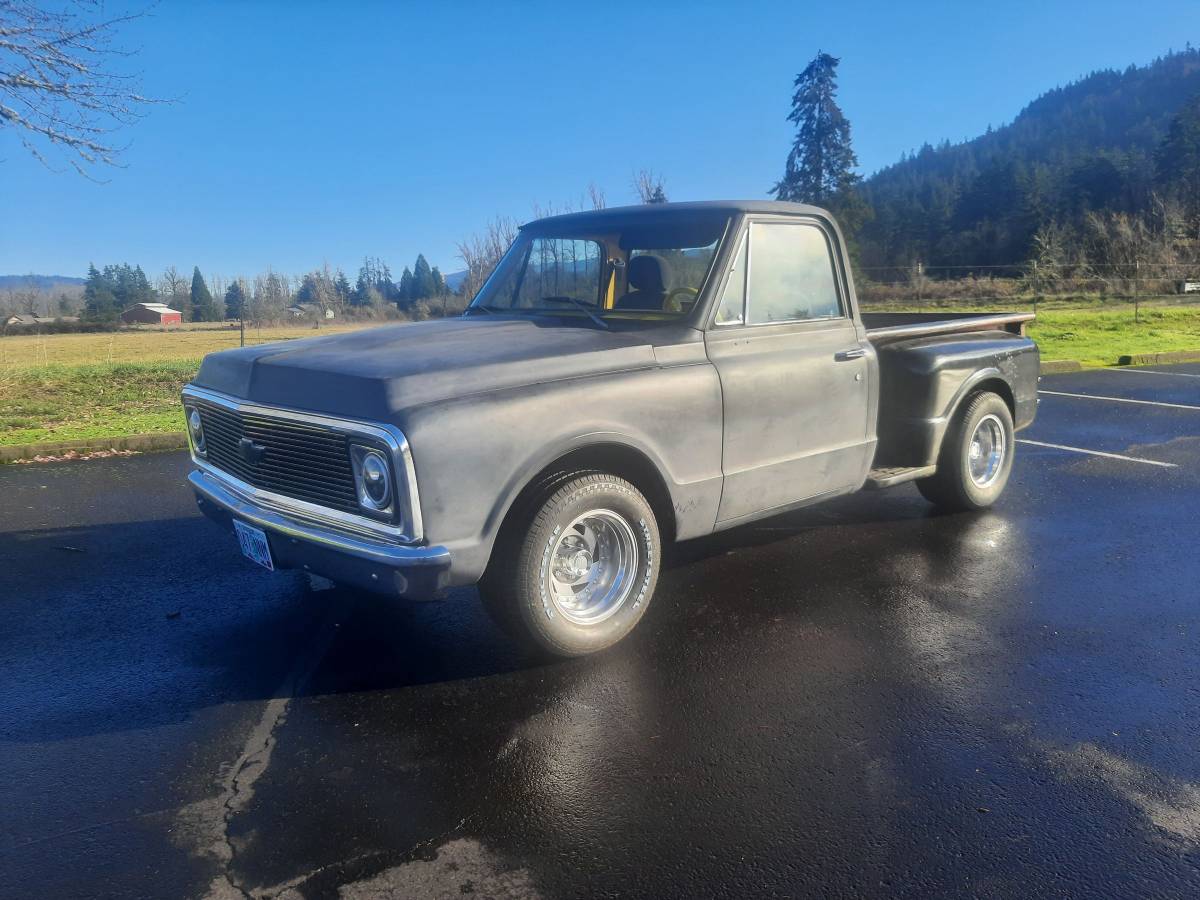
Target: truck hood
<point>374,373</point>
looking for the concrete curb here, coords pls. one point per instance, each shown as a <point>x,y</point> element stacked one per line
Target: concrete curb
<point>1058,366</point>
<point>1153,359</point>
<point>174,440</point>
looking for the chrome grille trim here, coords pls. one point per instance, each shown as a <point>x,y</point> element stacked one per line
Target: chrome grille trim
<point>310,441</point>
<point>301,461</point>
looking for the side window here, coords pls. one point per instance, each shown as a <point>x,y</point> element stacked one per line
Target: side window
<point>559,267</point>
<point>791,274</point>
<point>732,308</point>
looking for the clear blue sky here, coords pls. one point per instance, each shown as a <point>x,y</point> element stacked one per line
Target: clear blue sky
<point>308,133</point>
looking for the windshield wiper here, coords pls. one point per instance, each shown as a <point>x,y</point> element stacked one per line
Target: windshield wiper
<point>579,303</point>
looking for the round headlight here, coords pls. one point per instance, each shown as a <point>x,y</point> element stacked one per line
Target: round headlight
<point>197,429</point>
<point>376,481</point>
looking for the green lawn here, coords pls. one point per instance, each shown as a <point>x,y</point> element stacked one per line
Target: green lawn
<point>60,402</point>
<point>1097,338</point>
<point>64,403</point>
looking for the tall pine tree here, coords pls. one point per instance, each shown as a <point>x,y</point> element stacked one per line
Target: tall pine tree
<point>99,301</point>
<point>406,286</point>
<point>204,308</point>
<point>1177,162</point>
<point>423,286</point>
<point>235,300</point>
<point>341,286</point>
<point>821,163</point>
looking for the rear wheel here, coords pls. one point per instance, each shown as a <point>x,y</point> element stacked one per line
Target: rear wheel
<point>976,456</point>
<point>577,567</point>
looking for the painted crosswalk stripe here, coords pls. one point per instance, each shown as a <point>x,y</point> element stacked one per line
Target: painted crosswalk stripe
<point>1121,400</point>
<point>1149,462</point>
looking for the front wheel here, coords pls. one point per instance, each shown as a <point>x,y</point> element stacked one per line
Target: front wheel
<point>576,571</point>
<point>976,457</point>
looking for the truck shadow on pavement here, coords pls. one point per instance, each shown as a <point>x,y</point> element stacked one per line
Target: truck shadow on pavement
<point>138,624</point>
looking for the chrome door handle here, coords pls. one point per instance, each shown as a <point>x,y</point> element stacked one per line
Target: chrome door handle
<point>843,355</point>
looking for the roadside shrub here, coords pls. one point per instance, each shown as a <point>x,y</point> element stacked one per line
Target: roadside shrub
<point>60,327</point>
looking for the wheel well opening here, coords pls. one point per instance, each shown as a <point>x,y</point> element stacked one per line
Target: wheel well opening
<point>1001,387</point>
<point>616,459</point>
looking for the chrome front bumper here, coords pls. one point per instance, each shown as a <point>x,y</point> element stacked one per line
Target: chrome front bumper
<point>407,570</point>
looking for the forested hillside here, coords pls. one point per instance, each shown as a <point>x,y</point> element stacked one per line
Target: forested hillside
<point>1094,148</point>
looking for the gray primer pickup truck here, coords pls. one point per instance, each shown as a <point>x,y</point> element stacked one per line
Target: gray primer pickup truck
<point>625,377</point>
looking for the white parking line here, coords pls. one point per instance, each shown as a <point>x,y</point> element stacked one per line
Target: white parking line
<point>1149,462</point>
<point>1121,400</point>
<point>1151,372</point>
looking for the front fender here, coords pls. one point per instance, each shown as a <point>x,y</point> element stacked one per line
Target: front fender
<point>474,455</point>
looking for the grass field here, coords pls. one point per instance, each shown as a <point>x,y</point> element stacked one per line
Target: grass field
<point>64,387</point>
<point>1098,338</point>
<point>144,345</point>
<point>73,386</point>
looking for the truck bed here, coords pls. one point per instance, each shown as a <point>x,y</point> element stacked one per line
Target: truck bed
<point>926,360</point>
<point>886,327</point>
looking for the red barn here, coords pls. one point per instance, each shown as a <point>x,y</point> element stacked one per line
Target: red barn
<point>152,314</point>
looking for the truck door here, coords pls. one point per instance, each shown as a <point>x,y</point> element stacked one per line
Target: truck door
<point>794,373</point>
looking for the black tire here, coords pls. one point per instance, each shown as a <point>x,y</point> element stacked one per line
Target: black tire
<point>953,487</point>
<point>519,588</point>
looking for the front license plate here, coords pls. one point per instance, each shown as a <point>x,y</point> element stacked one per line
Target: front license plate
<point>254,544</point>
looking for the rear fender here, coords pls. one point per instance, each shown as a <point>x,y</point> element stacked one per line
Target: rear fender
<point>924,382</point>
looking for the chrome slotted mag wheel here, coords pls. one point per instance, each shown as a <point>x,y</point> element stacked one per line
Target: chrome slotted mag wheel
<point>986,452</point>
<point>593,567</point>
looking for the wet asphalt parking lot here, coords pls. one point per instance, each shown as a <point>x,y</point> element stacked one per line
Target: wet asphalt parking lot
<point>864,698</point>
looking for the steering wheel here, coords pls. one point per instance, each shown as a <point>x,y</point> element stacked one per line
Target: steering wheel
<point>673,305</point>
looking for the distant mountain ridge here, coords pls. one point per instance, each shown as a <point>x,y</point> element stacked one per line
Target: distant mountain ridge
<point>39,282</point>
<point>1089,145</point>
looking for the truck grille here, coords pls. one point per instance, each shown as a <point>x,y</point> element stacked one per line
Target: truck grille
<point>298,459</point>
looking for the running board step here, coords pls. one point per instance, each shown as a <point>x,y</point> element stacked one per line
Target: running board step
<point>878,479</point>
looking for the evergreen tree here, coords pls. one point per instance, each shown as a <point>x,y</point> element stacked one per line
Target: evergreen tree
<point>204,308</point>
<point>99,301</point>
<point>374,274</point>
<point>309,290</point>
<point>109,292</point>
<point>136,286</point>
<point>821,162</point>
<point>439,283</point>
<point>658,195</point>
<point>1177,162</point>
<point>422,279</point>
<point>341,286</point>
<point>406,286</point>
<point>235,300</point>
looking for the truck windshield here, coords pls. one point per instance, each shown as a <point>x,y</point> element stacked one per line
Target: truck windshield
<point>650,270</point>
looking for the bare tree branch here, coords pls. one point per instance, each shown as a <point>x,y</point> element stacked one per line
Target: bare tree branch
<point>596,196</point>
<point>58,84</point>
<point>649,187</point>
<point>481,252</point>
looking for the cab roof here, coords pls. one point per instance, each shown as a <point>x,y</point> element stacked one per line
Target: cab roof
<point>650,211</point>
